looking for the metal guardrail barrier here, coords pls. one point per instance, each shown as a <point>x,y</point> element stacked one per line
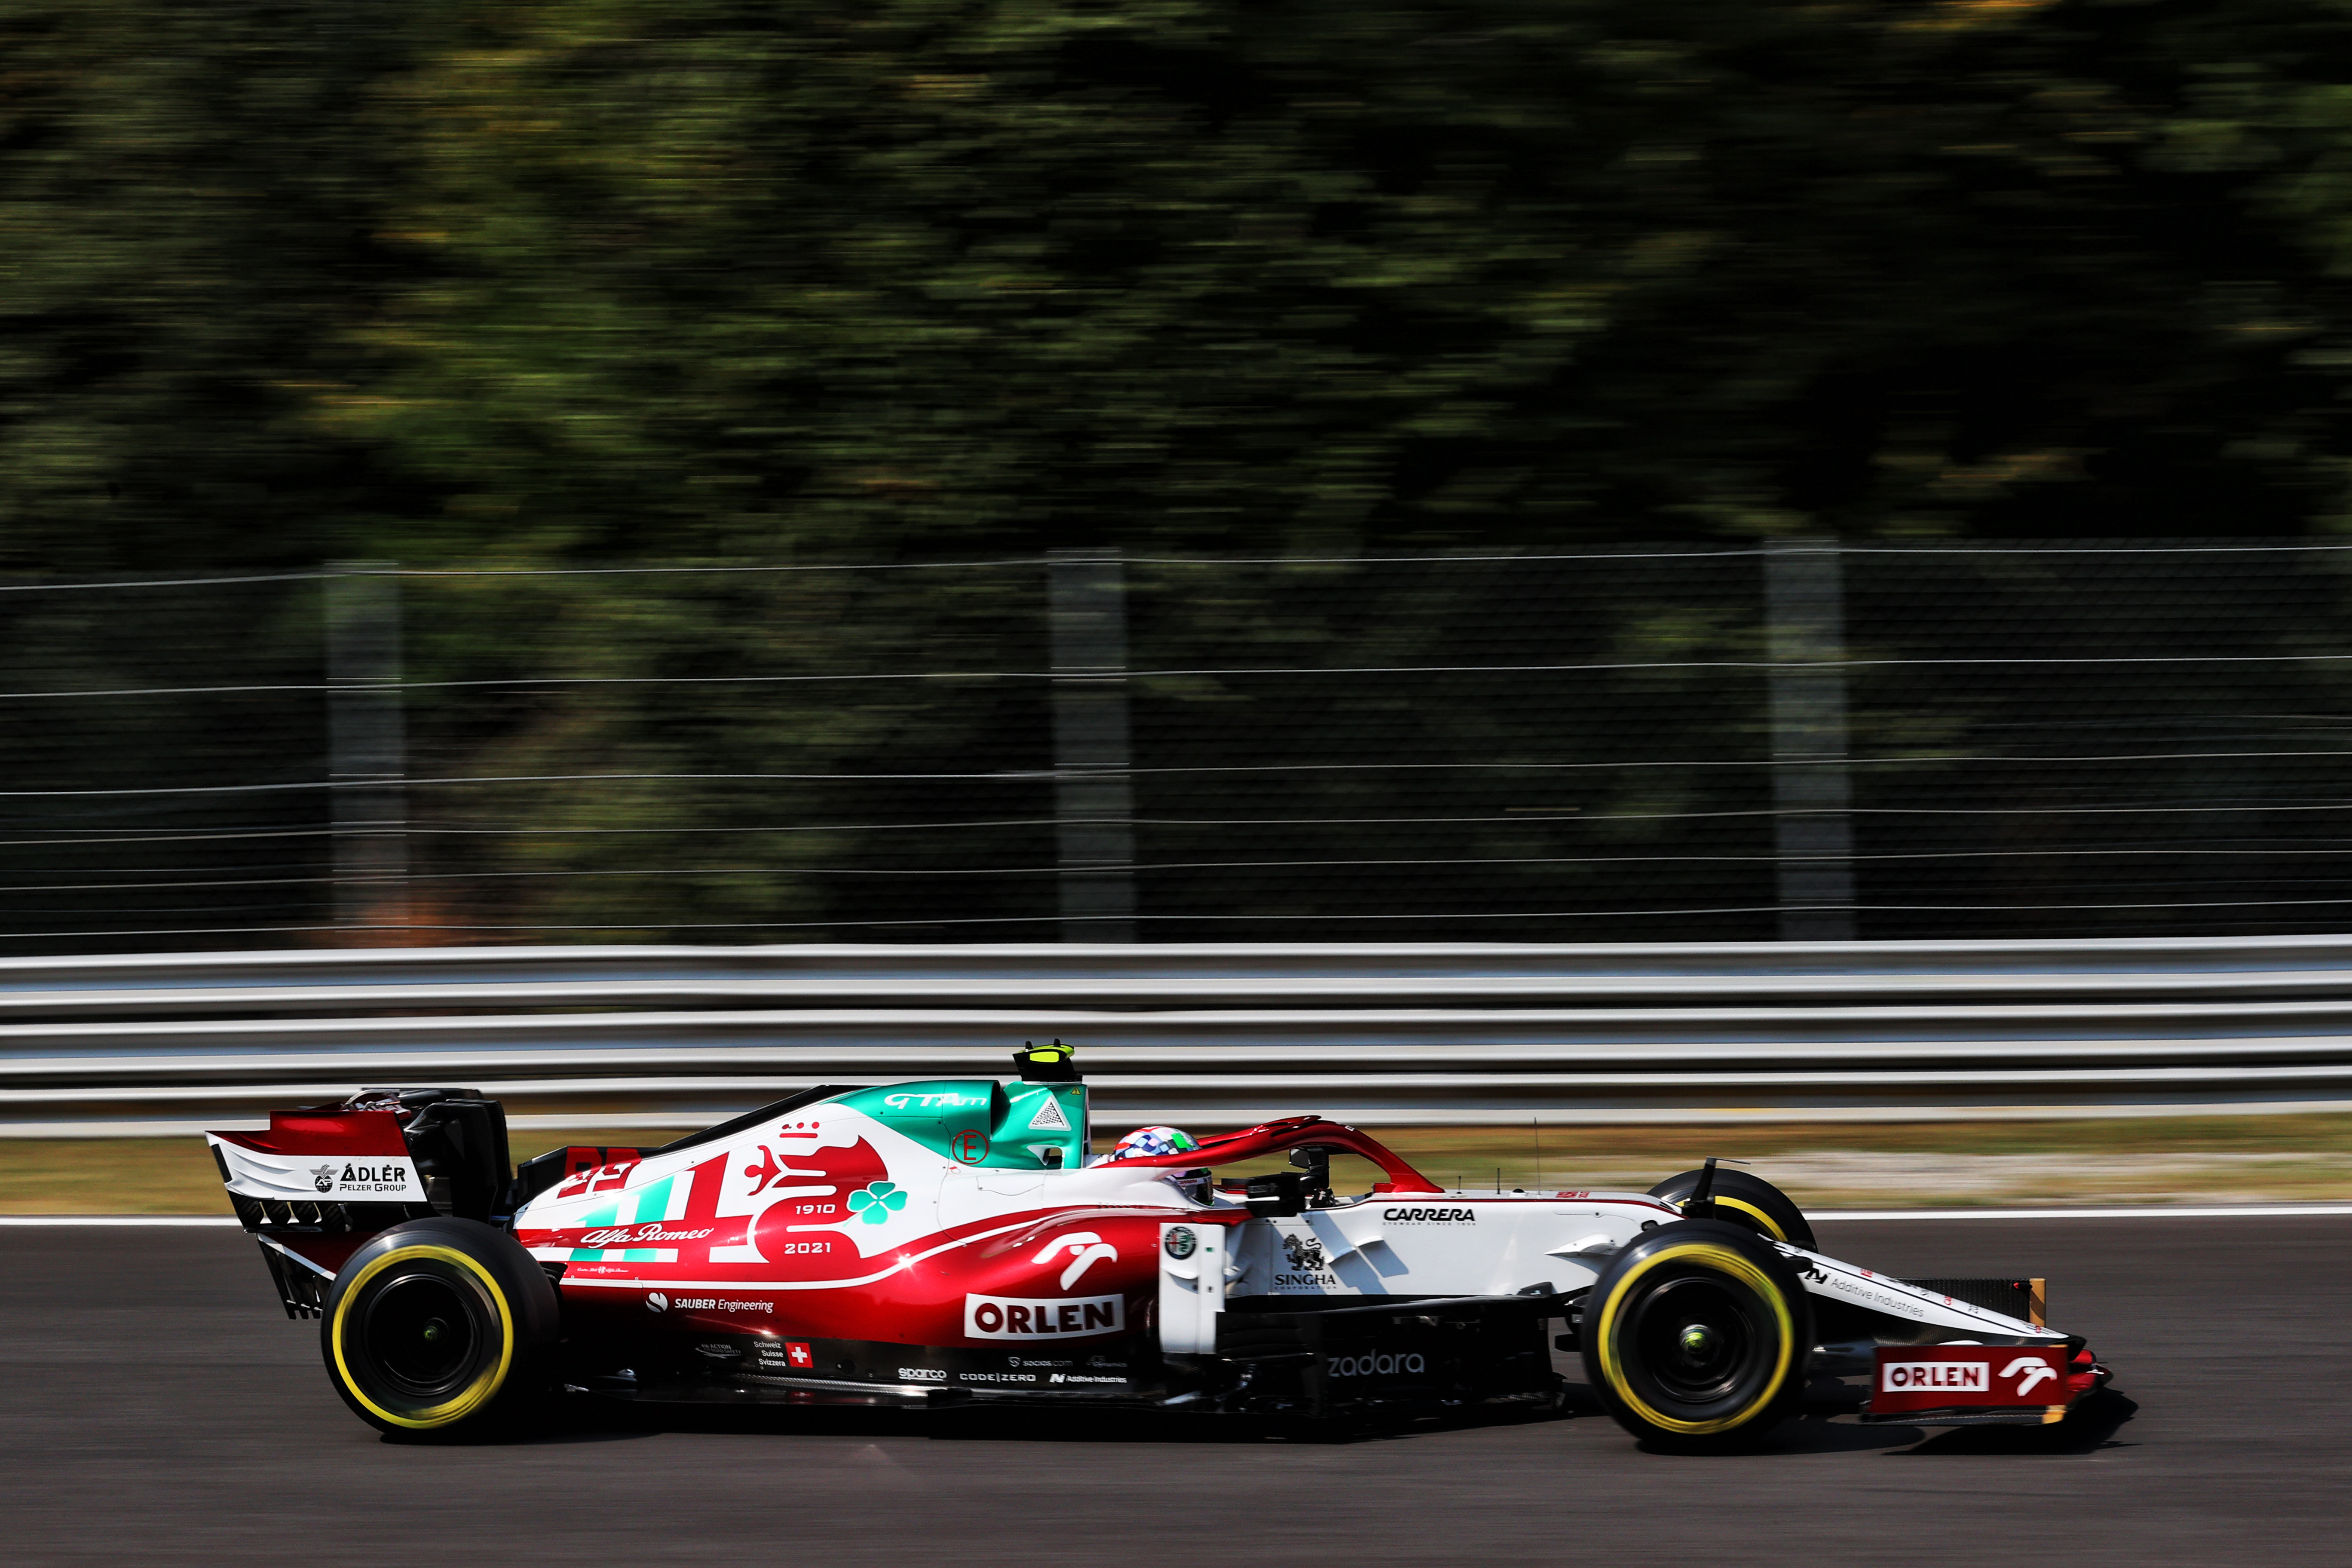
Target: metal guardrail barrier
<point>1210,1034</point>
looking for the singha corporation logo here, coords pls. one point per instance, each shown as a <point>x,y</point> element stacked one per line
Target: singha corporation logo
<point>323,1178</point>
<point>1305,1253</point>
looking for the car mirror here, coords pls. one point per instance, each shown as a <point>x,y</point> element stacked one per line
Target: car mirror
<point>1276,1196</point>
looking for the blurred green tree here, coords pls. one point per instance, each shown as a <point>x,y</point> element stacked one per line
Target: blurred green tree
<point>911,276</point>
<point>189,206</point>
<point>685,278</point>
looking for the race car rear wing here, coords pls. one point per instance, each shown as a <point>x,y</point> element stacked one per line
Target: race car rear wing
<point>323,1179</point>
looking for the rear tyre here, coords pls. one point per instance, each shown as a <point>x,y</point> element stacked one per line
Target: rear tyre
<point>1744,1200</point>
<point>1695,1336</point>
<point>440,1327</point>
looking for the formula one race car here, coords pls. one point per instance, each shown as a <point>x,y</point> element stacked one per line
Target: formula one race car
<point>951,1241</point>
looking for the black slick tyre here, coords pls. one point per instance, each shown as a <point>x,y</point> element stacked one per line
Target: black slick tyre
<point>1742,1199</point>
<point>1695,1336</point>
<point>438,1327</point>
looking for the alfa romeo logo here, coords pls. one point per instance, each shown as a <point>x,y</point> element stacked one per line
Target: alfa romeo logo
<point>1180,1241</point>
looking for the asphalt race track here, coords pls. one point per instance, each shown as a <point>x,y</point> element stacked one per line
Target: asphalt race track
<point>157,1407</point>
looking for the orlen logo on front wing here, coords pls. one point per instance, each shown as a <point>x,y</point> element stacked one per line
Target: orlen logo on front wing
<point>1011,1318</point>
<point>1911,1376</point>
<point>1961,1376</point>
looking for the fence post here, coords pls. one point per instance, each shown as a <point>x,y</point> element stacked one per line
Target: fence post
<point>366,741</point>
<point>1813,832</point>
<point>1093,796</point>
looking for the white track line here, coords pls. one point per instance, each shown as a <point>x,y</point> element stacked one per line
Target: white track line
<point>2240,1211</point>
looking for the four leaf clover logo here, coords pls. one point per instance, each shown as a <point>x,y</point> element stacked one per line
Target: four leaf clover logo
<point>877,1202</point>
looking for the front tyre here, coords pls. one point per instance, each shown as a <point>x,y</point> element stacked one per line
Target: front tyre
<point>1695,1336</point>
<point>438,1327</point>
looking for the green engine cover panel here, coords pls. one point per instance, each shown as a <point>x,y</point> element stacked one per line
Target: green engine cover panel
<point>983,1122</point>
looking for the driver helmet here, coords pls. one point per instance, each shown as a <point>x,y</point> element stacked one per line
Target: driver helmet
<point>1145,1142</point>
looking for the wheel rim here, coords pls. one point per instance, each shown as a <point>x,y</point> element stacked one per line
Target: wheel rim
<point>423,1334</point>
<point>1697,1338</point>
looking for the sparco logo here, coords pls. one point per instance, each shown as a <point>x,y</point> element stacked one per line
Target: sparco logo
<point>1373,1364</point>
<point>1418,1215</point>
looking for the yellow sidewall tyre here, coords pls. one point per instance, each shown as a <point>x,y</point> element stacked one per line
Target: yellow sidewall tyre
<point>438,1328</point>
<point>1744,1200</point>
<point>1696,1337</point>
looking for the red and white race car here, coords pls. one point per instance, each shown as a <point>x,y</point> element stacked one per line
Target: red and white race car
<point>952,1240</point>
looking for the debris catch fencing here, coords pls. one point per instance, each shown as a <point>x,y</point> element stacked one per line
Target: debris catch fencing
<point>1801,740</point>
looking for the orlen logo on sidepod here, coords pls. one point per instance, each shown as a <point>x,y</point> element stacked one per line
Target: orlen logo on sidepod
<point>1008,1317</point>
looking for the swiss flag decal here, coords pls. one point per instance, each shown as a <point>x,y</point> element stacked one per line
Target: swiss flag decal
<point>798,1353</point>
